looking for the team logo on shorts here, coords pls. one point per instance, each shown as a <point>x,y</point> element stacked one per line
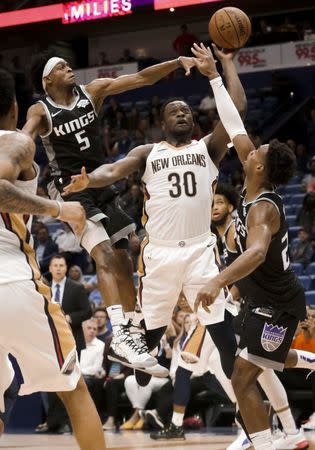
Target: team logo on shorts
<point>272,337</point>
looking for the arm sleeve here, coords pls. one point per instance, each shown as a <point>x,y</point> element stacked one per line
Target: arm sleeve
<point>227,111</point>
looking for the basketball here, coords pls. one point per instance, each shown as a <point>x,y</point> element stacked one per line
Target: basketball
<point>230,28</point>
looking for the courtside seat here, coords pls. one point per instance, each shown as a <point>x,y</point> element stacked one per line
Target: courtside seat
<point>306,281</point>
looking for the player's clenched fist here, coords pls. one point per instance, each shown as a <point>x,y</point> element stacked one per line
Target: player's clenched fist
<point>74,214</point>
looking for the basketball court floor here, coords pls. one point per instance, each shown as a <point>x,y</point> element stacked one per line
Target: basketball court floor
<point>214,439</point>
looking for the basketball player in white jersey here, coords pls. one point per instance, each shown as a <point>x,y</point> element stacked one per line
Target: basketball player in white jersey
<point>33,329</point>
<point>178,251</point>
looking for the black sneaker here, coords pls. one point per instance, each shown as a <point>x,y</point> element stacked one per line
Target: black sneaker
<point>169,432</point>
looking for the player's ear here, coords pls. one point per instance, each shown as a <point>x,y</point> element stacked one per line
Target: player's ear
<point>260,167</point>
<point>230,209</point>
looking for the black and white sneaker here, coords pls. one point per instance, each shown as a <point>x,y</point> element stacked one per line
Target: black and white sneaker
<point>171,432</point>
<point>125,350</point>
<point>152,418</point>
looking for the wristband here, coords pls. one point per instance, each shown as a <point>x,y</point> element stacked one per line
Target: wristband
<point>216,81</point>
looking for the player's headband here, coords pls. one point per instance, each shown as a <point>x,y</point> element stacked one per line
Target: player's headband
<point>50,64</point>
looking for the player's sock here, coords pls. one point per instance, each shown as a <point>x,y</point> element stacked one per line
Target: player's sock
<point>305,360</point>
<point>262,440</point>
<point>115,314</point>
<point>178,419</point>
<point>287,421</point>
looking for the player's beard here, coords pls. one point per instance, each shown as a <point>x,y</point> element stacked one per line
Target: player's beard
<point>220,222</point>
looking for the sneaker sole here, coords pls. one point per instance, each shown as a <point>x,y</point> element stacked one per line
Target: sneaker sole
<point>152,420</point>
<point>120,359</point>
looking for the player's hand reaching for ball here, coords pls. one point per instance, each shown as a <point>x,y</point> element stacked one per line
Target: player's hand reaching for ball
<point>186,63</point>
<point>223,55</point>
<point>74,214</point>
<point>207,295</point>
<point>204,61</point>
<point>78,183</point>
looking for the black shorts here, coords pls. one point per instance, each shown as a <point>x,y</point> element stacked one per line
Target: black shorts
<point>101,205</point>
<point>266,336</point>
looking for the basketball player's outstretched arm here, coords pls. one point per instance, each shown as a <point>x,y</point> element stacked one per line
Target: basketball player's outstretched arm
<point>218,140</point>
<point>16,157</point>
<point>103,87</point>
<point>263,222</point>
<point>110,173</point>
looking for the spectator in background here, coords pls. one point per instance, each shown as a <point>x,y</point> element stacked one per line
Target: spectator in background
<point>308,181</point>
<point>156,133</point>
<point>133,119</point>
<point>111,113</point>
<point>123,144</point>
<point>132,203</point>
<point>92,364</point>
<point>301,158</point>
<point>115,385</point>
<point>104,328</point>
<point>301,249</point>
<point>127,57</point>
<point>184,42</point>
<point>69,246</point>
<point>304,339</point>
<point>75,274</point>
<point>45,248</point>
<point>306,215</point>
<point>103,59</point>
<point>207,103</point>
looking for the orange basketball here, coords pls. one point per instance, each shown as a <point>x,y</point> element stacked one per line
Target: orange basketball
<point>230,28</point>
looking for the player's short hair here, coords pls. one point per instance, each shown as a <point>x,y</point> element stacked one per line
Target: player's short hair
<point>229,192</point>
<point>280,163</point>
<point>7,92</point>
<point>171,100</point>
<point>37,66</point>
<point>57,257</point>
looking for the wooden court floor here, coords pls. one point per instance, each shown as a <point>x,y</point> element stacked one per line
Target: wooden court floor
<point>209,440</point>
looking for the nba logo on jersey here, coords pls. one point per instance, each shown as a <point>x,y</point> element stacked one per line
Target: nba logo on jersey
<point>272,337</point>
<point>82,103</point>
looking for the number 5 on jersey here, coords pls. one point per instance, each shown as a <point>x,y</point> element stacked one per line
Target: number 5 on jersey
<point>83,141</point>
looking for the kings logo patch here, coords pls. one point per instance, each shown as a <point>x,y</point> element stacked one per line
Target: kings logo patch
<point>272,337</point>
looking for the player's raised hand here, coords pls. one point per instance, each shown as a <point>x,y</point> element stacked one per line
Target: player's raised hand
<point>78,183</point>
<point>207,295</point>
<point>187,63</point>
<point>205,61</point>
<point>73,213</point>
<point>223,54</point>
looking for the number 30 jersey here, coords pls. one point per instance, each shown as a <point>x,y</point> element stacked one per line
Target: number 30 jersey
<point>73,139</point>
<point>178,191</point>
<point>273,283</point>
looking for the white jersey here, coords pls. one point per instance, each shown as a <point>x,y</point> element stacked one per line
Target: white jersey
<point>178,191</point>
<point>17,255</point>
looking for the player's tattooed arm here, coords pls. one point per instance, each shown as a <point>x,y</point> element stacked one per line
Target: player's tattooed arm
<point>36,121</point>
<point>103,87</point>
<point>262,223</point>
<point>110,173</point>
<point>16,156</point>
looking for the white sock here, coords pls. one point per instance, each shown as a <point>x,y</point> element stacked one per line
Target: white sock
<point>305,360</point>
<point>115,314</point>
<point>288,422</point>
<point>177,419</point>
<point>262,440</point>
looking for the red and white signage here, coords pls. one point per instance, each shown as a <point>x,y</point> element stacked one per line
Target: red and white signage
<point>85,76</point>
<point>254,59</point>
<point>166,4</point>
<point>81,11</point>
<point>299,53</point>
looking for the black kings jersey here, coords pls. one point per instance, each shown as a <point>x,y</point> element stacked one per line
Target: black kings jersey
<point>273,283</point>
<point>73,139</point>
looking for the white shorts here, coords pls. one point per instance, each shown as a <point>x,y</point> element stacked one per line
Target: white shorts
<point>36,333</point>
<point>168,267</point>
